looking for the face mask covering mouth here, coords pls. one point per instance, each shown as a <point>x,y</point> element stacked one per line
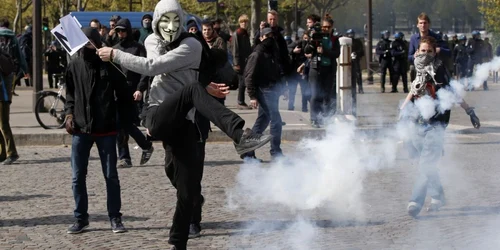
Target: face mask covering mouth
<point>146,24</point>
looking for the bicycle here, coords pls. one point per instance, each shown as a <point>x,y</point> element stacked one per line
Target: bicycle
<point>52,103</point>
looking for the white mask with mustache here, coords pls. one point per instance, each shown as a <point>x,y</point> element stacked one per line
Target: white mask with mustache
<point>168,26</point>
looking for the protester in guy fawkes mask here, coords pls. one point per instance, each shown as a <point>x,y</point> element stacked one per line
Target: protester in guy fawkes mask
<point>136,85</point>
<point>180,105</point>
<point>146,28</point>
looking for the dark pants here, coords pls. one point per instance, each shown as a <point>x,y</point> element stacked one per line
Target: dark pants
<point>80,153</point>
<point>384,66</point>
<point>323,93</point>
<point>295,80</point>
<point>122,139</point>
<point>241,89</point>
<point>175,167</point>
<point>356,75</point>
<point>50,75</point>
<point>167,122</point>
<point>400,70</point>
<point>269,114</point>
<point>7,144</point>
<point>461,70</point>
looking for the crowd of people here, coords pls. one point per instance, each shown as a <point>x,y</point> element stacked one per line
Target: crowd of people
<point>173,74</point>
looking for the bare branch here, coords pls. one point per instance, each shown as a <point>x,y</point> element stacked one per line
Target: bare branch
<point>28,4</point>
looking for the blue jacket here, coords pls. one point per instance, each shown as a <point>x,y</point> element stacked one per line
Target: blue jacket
<point>415,40</point>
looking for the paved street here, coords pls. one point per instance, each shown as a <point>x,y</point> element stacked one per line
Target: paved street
<point>36,205</point>
<point>362,207</point>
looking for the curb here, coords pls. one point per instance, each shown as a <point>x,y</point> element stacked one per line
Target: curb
<point>60,138</point>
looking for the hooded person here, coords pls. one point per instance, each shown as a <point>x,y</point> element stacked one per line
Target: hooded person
<point>136,85</point>
<point>180,96</point>
<point>146,28</point>
<point>95,93</point>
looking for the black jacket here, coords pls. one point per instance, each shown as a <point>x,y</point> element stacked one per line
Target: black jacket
<point>135,80</point>
<point>358,48</point>
<point>384,50</point>
<point>241,48</point>
<point>443,77</point>
<point>281,51</point>
<point>261,69</point>
<point>95,92</point>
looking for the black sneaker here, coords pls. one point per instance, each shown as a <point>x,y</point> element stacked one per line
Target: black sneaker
<point>146,155</point>
<point>250,159</point>
<point>117,225</point>
<point>194,230</point>
<point>251,141</point>
<point>124,164</point>
<point>78,227</point>
<point>10,160</point>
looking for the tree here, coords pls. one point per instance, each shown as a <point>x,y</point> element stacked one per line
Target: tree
<point>255,17</point>
<point>324,7</point>
<point>20,9</point>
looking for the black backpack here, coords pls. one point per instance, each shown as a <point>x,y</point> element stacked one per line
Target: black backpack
<point>8,63</point>
<point>208,65</point>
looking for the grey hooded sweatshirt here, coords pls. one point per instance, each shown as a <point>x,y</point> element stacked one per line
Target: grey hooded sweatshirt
<point>171,69</point>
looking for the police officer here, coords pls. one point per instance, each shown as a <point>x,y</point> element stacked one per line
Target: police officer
<point>358,52</point>
<point>385,59</point>
<point>475,49</point>
<point>398,51</point>
<point>460,57</point>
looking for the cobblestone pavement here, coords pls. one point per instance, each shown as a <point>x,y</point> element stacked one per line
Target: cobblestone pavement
<point>36,205</point>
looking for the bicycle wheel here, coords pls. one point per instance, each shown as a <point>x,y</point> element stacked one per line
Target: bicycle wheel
<point>49,111</point>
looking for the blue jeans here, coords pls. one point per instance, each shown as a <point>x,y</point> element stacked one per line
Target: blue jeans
<point>269,113</point>
<point>80,153</point>
<point>429,144</point>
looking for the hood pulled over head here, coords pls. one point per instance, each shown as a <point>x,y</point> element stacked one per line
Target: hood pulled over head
<point>168,20</point>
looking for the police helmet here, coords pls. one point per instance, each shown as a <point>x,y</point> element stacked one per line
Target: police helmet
<point>350,33</point>
<point>462,37</point>
<point>399,35</point>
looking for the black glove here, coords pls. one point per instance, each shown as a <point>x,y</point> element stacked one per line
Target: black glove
<point>473,117</point>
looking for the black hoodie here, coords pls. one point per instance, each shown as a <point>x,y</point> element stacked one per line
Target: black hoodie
<point>262,69</point>
<point>91,89</point>
<point>135,80</point>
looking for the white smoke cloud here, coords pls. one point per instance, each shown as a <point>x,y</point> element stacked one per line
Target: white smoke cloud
<point>328,173</point>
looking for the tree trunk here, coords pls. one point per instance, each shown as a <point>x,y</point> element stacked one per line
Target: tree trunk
<point>19,11</point>
<point>255,19</point>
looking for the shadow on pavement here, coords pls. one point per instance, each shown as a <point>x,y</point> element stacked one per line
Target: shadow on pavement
<point>278,225</point>
<point>23,197</point>
<point>50,160</point>
<point>482,130</point>
<point>60,220</point>
<point>462,212</point>
<point>222,163</point>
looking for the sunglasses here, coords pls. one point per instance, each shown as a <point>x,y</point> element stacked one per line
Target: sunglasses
<point>120,30</point>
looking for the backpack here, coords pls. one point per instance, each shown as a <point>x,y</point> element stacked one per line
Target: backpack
<point>8,63</point>
<point>208,66</point>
